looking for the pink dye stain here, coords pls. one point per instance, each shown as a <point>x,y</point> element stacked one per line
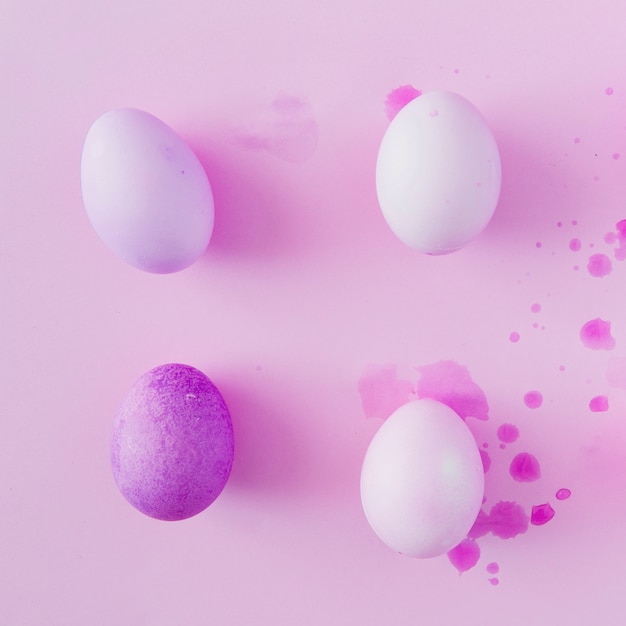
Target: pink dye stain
<point>505,520</point>
<point>559,224</point>
<point>533,399</point>
<point>535,308</point>
<point>493,568</point>
<point>508,433</point>
<point>616,372</point>
<point>525,468</point>
<point>486,459</point>
<point>451,383</point>
<point>382,392</point>
<point>514,337</point>
<point>398,98</point>
<point>609,91</point>
<point>574,245</point>
<point>464,556</point>
<point>494,581</point>
<point>576,139</point>
<point>599,265</point>
<point>616,156</point>
<point>541,514</point>
<point>599,404</point>
<point>563,494</point>
<point>620,253</point>
<point>538,244</point>
<point>596,335</point>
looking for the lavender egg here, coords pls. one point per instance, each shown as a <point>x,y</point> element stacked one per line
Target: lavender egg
<point>172,444</point>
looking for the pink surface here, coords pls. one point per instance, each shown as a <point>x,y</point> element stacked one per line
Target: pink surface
<point>302,291</point>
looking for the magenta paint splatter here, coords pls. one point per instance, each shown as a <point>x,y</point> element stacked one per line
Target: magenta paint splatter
<point>563,494</point>
<point>535,307</point>
<point>507,520</point>
<point>609,91</point>
<point>525,468</point>
<point>533,399</point>
<point>481,526</point>
<point>616,372</point>
<point>599,404</point>
<point>574,244</point>
<point>451,383</point>
<point>514,337</point>
<point>596,335</point>
<point>465,555</point>
<point>493,568</point>
<point>398,98</point>
<point>494,581</point>
<point>541,514</point>
<point>561,368</point>
<point>486,459</point>
<point>382,392</point>
<point>599,265</point>
<point>610,238</point>
<point>508,433</point>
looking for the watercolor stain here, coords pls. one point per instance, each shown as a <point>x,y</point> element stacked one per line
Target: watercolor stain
<point>599,404</point>
<point>574,244</point>
<point>398,98</point>
<point>514,337</point>
<point>382,391</point>
<point>533,399</point>
<point>596,335</point>
<point>599,265</point>
<point>508,433</point>
<point>563,494</point>
<point>535,307</point>
<point>541,514</point>
<point>464,556</point>
<point>525,468</point>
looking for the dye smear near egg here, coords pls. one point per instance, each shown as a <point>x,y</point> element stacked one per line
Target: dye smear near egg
<point>525,468</point>
<point>599,404</point>
<point>464,556</point>
<point>382,391</point>
<point>286,129</point>
<point>533,399</point>
<point>575,245</point>
<point>599,265</point>
<point>596,335</point>
<point>398,98</point>
<point>514,337</point>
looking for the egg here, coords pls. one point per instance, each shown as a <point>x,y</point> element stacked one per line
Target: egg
<point>172,444</point>
<point>438,173</point>
<point>145,192</point>
<point>422,480</point>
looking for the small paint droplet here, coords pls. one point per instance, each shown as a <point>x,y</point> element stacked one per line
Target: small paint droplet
<point>576,268</point>
<point>494,581</point>
<point>535,325</point>
<point>533,399</point>
<point>599,404</point>
<point>616,156</point>
<point>599,265</point>
<point>559,224</point>
<point>576,139</point>
<point>538,244</point>
<point>507,520</point>
<point>596,335</point>
<point>398,98</point>
<point>541,514</point>
<point>536,307</point>
<point>493,567</point>
<point>514,337</point>
<point>563,494</point>
<point>561,368</point>
<point>464,556</point>
<point>609,91</point>
<point>486,459</point>
<point>508,433</point>
<point>574,245</point>
<point>525,468</point>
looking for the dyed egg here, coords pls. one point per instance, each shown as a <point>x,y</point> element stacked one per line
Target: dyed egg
<point>438,173</point>
<point>145,192</point>
<point>422,480</point>
<point>172,443</point>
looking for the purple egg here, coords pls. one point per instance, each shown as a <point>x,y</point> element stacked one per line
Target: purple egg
<point>172,444</point>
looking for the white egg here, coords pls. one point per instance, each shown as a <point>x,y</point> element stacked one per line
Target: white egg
<point>422,481</point>
<point>438,173</point>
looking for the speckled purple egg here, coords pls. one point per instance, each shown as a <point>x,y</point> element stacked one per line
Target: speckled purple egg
<point>172,444</point>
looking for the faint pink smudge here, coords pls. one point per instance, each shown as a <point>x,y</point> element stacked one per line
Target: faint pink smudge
<point>563,494</point>
<point>486,459</point>
<point>596,335</point>
<point>382,392</point>
<point>536,307</point>
<point>599,404</point>
<point>493,568</point>
<point>541,514</point>
<point>574,245</point>
<point>451,383</point>
<point>616,372</point>
<point>514,337</point>
<point>533,399</point>
<point>398,98</point>
<point>525,468</point>
<point>465,555</point>
<point>508,433</point>
<point>620,252</point>
<point>609,91</point>
<point>616,156</point>
<point>599,265</point>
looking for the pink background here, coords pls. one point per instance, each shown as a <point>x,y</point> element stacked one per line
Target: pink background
<point>302,289</point>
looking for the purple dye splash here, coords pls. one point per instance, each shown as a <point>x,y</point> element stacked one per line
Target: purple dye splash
<point>493,568</point>
<point>486,459</point>
<point>505,520</point>
<point>514,337</point>
<point>508,433</point>
<point>465,555</point>
<point>599,265</point>
<point>541,514</point>
<point>536,307</point>
<point>533,399</point>
<point>616,372</point>
<point>451,383</point>
<point>575,245</point>
<point>285,129</point>
<point>398,98</point>
<point>563,494</point>
<point>525,468</point>
<point>382,392</point>
<point>596,335</point>
<point>599,404</point>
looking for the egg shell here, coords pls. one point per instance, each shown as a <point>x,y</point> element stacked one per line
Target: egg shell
<point>422,481</point>
<point>145,192</point>
<point>438,173</point>
<point>172,443</point>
